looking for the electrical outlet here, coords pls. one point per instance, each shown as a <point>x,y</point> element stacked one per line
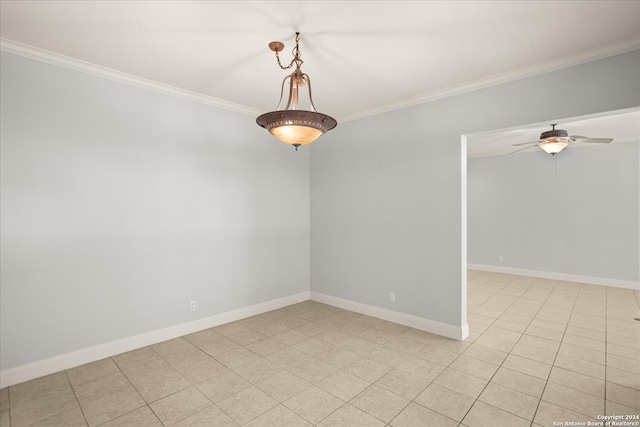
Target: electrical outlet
<point>392,297</point>
<point>500,259</point>
<point>192,306</point>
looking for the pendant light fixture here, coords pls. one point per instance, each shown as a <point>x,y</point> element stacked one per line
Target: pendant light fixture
<point>293,125</point>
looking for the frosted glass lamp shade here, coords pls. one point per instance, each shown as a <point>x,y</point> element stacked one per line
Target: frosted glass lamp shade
<point>296,127</point>
<point>296,134</point>
<point>553,147</point>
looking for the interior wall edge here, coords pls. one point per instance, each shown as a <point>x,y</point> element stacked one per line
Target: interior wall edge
<point>423,324</point>
<point>464,244</point>
<point>41,368</point>
<point>601,281</point>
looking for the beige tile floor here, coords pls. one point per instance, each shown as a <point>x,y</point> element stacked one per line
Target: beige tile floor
<point>539,351</point>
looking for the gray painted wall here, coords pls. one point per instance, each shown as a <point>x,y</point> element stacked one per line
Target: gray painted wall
<point>386,191</point>
<point>581,219</point>
<point>120,205</point>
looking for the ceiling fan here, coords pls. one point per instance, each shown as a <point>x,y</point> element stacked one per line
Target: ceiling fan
<point>555,140</point>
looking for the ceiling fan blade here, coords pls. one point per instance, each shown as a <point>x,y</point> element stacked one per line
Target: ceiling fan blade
<point>525,148</point>
<point>526,143</point>
<point>576,137</point>
<point>595,140</point>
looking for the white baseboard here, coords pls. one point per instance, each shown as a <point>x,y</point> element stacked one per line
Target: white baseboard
<point>70,360</point>
<point>617,283</point>
<point>451,331</point>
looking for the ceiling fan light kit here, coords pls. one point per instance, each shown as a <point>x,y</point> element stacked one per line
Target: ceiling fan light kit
<point>292,125</point>
<point>554,141</point>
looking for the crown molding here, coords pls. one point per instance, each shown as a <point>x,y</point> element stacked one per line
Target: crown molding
<point>53,58</point>
<point>497,79</point>
<point>49,57</point>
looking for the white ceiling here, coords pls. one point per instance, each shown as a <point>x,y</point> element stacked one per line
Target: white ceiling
<point>364,57</point>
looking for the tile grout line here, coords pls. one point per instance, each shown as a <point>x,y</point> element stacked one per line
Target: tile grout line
<point>508,353</point>
<point>311,384</point>
<point>9,399</point>
<point>558,352</point>
<point>66,373</point>
<point>379,345</point>
<point>296,375</point>
<point>553,298</point>
<point>230,369</point>
<point>501,363</point>
<point>476,399</point>
<point>134,387</point>
<point>483,389</point>
<point>566,326</point>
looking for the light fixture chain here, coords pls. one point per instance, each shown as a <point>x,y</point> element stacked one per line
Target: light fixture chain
<point>296,56</point>
<point>296,52</point>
